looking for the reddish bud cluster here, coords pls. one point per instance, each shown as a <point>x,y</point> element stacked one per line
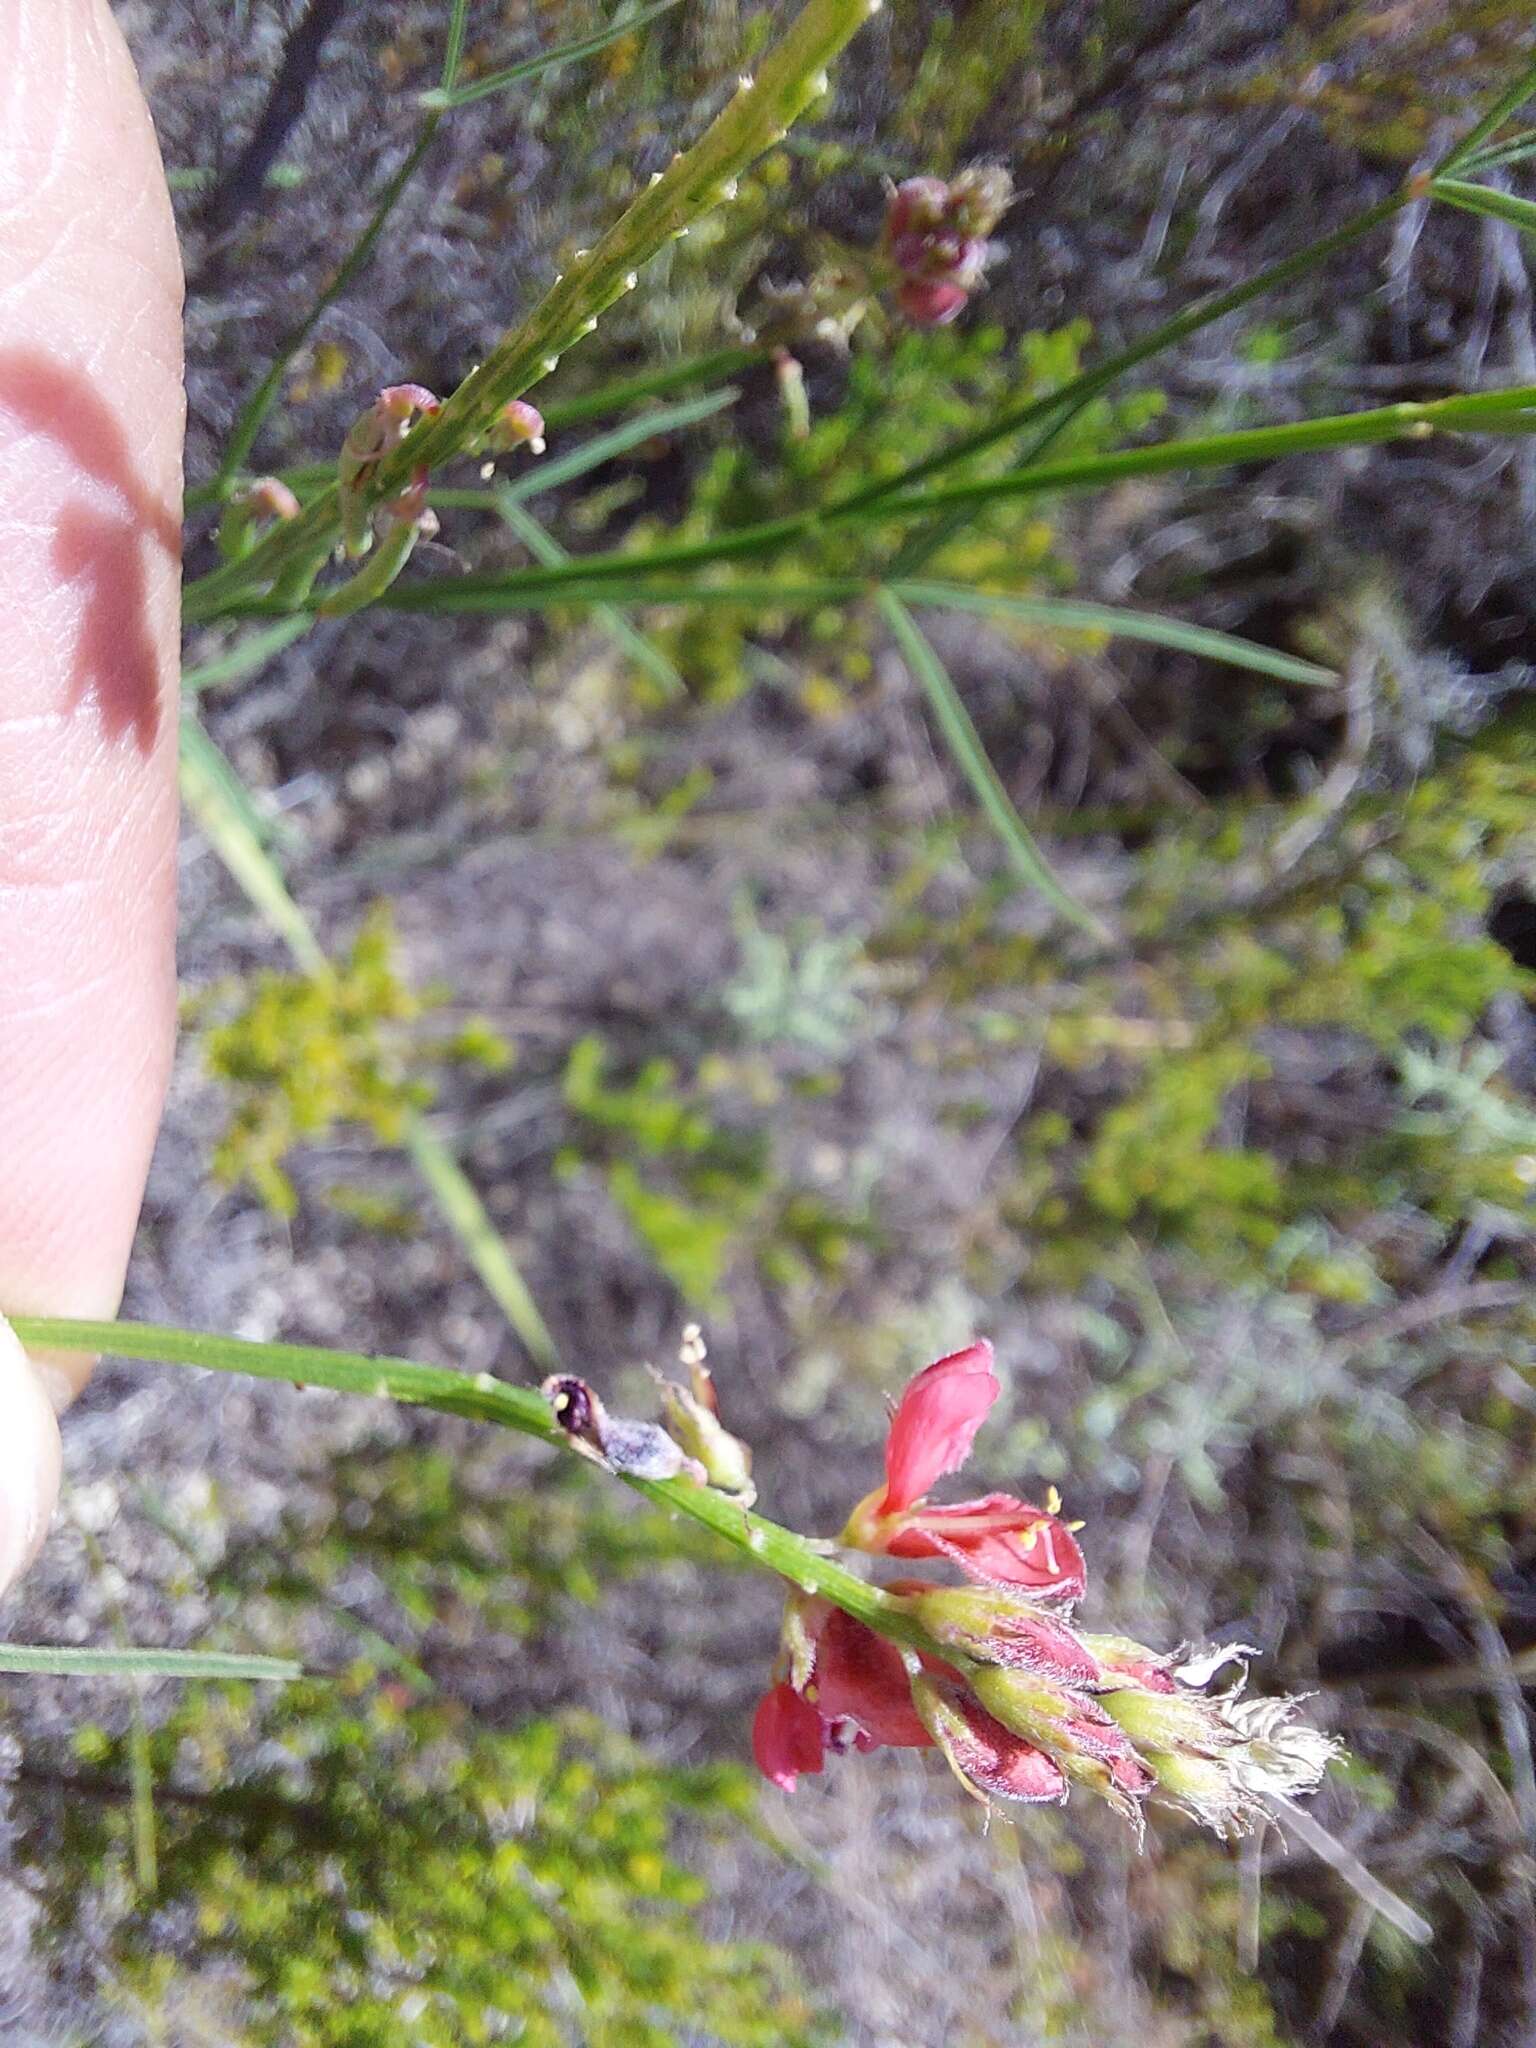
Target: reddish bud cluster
<point>935,238</point>
<point>1029,1706</point>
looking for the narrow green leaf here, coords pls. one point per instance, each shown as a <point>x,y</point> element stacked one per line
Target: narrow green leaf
<point>1507,103</point>
<point>246,656</point>
<point>540,589</point>
<point>1492,412</point>
<point>1515,150</point>
<point>222,806</point>
<point>1520,213</point>
<point>629,639</point>
<point>443,101</point>
<point>132,1663</point>
<point>954,722</point>
<point>459,1202</point>
<point>1075,616</point>
<point>615,397</point>
<point>453,46</point>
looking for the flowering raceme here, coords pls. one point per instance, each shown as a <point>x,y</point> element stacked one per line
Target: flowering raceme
<point>992,1673</point>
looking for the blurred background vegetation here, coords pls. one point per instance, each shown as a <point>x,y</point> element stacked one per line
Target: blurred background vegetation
<point>680,932</point>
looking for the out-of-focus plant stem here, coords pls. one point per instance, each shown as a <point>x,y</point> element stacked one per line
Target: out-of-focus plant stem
<point>757,115</point>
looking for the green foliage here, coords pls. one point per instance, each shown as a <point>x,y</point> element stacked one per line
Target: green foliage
<point>302,1054</point>
<point>903,400</point>
<point>697,1192</point>
<point>1379,934</point>
<point>370,1860</point>
<point>379,1869</point>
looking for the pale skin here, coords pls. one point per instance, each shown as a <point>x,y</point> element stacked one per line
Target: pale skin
<point>91,419</point>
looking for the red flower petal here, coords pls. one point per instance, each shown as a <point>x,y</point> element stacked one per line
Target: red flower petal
<point>860,1677</point>
<point>786,1737</point>
<point>999,1541</point>
<point>935,1425</point>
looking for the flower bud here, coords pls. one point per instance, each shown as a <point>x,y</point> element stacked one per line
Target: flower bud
<point>987,1758</point>
<point>517,425</point>
<point>693,1420</point>
<point>1004,1628</point>
<point>1123,1655</point>
<point>929,302</point>
<point>1072,1728</point>
<point>377,434</point>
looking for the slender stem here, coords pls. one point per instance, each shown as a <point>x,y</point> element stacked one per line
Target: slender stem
<point>758,115</point>
<point>1507,411</point>
<point>1519,92</point>
<point>480,1398</point>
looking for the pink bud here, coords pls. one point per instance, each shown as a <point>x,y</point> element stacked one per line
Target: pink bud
<point>931,303</point>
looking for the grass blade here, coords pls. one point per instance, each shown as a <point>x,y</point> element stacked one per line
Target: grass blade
<point>1075,616</point>
<point>1492,412</point>
<point>246,656</point>
<point>610,398</point>
<point>445,99</point>
<point>629,639</point>
<point>539,589</point>
<point>1520,213</point>
<point>456,1197</point>
<point>219,801</point>
<point>954,722</point>
<point>43,1659</point>
<point>1514,151</point>
<point>453,45</point>
<point>235,829</point>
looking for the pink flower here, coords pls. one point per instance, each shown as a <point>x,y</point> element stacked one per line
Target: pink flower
<point>997,1539</point>
<point>936,1422</point>
<point>847,1688</point>
<point>859,1679</point>
<point>786,1737</point>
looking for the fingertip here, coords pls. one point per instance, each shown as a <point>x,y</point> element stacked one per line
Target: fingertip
<point>30,1457</point>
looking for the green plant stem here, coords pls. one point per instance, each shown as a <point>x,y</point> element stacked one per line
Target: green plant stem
<point>1508,411</point>
<point>1483,199</point>
<point>477,1397</point>
<point>759,113</point>
<point>1523,88</point>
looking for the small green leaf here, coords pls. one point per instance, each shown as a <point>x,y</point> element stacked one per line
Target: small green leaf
<point>44,1659</point>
